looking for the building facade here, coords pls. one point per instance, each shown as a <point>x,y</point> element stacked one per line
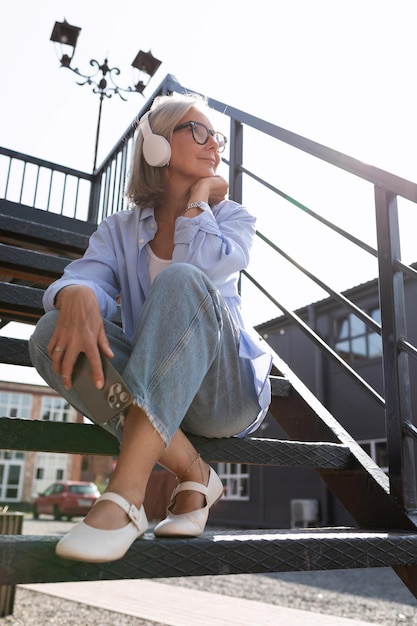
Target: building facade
<point>23,474</point>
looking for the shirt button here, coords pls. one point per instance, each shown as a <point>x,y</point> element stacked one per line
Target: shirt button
<point>141,240</point>
<point>153,225</point>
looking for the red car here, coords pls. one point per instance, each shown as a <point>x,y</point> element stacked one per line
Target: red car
<point>67,498</point>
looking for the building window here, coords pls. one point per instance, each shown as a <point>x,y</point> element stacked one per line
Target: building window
<point>15,404</point>
<point>55,409</point>
<point>11,475</point>
<point>377,450</point>
<point>49,467</point>
<point>235,478</point>
<point>354,340</point>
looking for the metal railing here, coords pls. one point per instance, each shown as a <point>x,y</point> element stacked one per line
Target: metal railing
<point>44,185</point>
<point>106,186</point>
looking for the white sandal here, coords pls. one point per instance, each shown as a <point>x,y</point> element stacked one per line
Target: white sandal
<point>94,545</point>
<point>191,524</point>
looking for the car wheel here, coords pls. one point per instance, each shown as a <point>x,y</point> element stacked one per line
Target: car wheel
<point>57,513</point>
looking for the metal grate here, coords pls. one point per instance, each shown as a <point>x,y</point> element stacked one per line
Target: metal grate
<point>26,559</point>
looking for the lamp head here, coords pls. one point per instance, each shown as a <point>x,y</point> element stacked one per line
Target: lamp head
<point>146,62</point>
<point>66,35</point>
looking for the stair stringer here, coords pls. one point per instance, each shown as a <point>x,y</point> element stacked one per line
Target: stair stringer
<point>364,488</point>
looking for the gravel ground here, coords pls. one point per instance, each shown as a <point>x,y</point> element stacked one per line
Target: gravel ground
<point>373,595</point>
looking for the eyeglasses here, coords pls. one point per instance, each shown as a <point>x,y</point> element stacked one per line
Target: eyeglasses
<point>201,134</point>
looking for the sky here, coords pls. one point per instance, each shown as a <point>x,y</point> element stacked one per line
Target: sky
<point>339,72</point>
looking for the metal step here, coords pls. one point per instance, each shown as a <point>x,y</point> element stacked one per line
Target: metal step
<point>14,351</point>
<point>20,303</point>
<point>41,229</point>
<point>47,218</point>
<point>19,434</point>
<point>31,559</point>
<point>30,265</point>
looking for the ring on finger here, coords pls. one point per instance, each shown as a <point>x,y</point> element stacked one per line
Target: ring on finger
<point>58,349</point>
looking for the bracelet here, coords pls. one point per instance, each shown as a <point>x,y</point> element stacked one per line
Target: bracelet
<point>197,205</point>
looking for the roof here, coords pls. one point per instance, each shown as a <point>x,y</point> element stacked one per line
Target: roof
<point>353,293</point>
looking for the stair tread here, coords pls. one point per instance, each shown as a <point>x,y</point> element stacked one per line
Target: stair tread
<point>55,238</point>
<point>20,303</point>
<point>26,558</point>
<point>23,223</point>
<point>20,434</point>
<point>17,262</point>
<point>30,214</point>
<point>14,351</point>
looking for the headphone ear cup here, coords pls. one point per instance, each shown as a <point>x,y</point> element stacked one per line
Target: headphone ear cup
<point>156,150</point>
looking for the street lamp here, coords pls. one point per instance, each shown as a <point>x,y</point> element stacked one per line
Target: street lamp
<point>102,79</point>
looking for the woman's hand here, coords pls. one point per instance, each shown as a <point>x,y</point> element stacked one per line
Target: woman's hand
<point>212,189</point>
<point>79,328</point>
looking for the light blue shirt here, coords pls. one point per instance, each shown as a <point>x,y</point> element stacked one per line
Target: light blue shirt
<point>218,242</point>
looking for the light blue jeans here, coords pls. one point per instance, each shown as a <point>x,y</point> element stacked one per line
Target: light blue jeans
<point>183,367</point>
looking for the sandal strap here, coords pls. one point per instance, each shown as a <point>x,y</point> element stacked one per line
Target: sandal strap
<point>131,510</point>
<point>190,485</point>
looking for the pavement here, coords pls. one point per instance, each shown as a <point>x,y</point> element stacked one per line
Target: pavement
<point>177,606</point>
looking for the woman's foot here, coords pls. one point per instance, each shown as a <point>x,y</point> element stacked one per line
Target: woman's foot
<point>88,543</point>
<point>192,522</point>
<point>106,515</point>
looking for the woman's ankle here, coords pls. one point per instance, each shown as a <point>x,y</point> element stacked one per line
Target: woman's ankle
<point>190,500</point>
<point>198,471</point>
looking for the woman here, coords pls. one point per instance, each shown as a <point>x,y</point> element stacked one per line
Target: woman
<point>174,260</point>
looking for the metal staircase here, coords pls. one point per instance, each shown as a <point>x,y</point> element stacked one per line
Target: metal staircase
<point>37,243</point>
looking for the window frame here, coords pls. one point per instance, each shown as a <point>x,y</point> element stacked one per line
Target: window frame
<point>362,334</point>
<point>55,409</point>
<point>372,452</point>
<point>236,481</point>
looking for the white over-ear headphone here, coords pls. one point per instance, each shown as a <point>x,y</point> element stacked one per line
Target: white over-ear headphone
<point>156,149</point>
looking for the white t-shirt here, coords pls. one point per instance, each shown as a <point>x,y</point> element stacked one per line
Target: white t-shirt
<point>155,264</point>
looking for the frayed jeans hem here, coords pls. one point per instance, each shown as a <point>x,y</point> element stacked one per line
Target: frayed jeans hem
<point>155,422</point>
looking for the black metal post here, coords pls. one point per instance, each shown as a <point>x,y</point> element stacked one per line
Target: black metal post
<point>235,163</point>
<point>398,413</point>
<point>98,132</point>
<point>94,199</point>
<point>11,523</point>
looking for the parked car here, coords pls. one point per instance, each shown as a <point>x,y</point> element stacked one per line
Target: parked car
<point>66,498</point>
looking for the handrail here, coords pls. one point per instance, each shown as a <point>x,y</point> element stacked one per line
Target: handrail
<point>106,186</point>
<point>43,163</point>
<point>378,177</point>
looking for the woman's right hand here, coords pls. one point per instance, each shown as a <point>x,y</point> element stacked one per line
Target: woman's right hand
<point>212,189</point>
<point>79,328</point>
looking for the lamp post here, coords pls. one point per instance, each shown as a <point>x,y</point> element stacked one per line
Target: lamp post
<point>102,79</point>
